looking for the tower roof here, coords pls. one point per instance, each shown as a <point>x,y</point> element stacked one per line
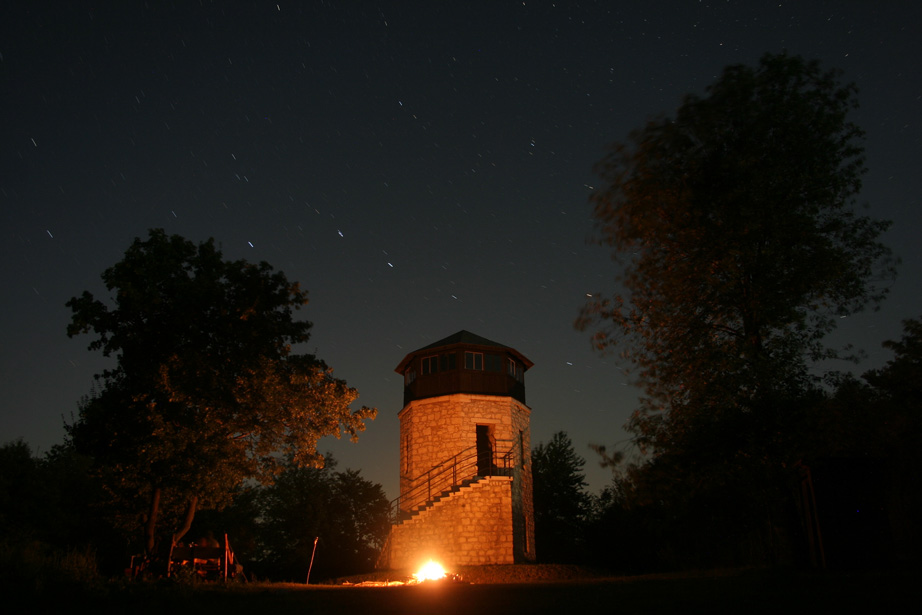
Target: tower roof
<point>463,338</point>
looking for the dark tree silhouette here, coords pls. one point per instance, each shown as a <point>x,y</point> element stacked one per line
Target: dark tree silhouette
<point>207,390</point>
<point>870,429</point>
<point>23,494</point>
<point>899,429</point>
<point>741,245</point>
<point>348,514</point>
<point>561,503</point>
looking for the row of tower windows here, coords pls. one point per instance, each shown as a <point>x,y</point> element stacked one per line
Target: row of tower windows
<point>477,361</point>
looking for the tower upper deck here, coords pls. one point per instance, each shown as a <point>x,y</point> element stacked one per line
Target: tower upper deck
<point>464,363</point>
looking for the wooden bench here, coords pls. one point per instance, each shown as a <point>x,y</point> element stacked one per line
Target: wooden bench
<point>206,562</point>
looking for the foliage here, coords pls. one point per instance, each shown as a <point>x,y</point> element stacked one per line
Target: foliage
<point>876,423</point>
<point>21,491</point>
<point>561,503</point>
<point>615,542</point>
<point>48,500</point>
<point>899,428</point>
<point>741,242</point>
<point>48,533</point>
<point>879,415</point>
<point>859,441</point>
<point>207,391</point>
<point>736,225</point>
<point>52,534</point>
<point>900,380</point>
<point>346,513</point>
<point>34,568</point>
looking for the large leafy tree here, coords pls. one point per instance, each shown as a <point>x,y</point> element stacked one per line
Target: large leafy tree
<point>741,245</point>
<point>562,505</point>
<point>208,390</point>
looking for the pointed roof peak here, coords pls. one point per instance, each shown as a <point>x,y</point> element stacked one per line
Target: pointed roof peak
<point>464,337</point>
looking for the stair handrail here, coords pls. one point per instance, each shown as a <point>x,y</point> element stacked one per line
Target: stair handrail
<point>450,473</point>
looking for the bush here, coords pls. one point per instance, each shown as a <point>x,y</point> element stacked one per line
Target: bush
<point>33,568</point>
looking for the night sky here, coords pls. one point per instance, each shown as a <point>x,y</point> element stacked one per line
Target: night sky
<point>419,167</point>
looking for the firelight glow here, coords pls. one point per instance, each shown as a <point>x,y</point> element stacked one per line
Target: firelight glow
<point>431,571</point>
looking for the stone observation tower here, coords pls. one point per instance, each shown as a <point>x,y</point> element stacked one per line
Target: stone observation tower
<point>465,457</point>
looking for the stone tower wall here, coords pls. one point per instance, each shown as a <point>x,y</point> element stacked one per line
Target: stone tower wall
<point>435,429</point>
<point>473,526</point>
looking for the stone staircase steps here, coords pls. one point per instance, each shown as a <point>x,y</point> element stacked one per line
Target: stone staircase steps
<point>465,485</point>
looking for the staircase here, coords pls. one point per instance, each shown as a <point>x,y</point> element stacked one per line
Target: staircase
<point>465,485</point>
<point>468,524</point>
<point>452,476</point>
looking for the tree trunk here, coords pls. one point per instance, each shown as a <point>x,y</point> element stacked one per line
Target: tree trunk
<point>151,525</point>
<point>187,520</point>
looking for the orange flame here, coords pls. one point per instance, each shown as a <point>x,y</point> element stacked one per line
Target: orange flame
<point>431,571</point>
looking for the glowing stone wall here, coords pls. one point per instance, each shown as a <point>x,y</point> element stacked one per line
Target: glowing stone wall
<point>471,527</point>
<point>437,429</point>
<point>489,517</point>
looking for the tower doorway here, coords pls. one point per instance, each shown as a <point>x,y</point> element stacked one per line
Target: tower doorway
<point>485,450</point>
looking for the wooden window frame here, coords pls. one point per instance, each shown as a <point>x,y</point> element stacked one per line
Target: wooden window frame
<point>476,358</point>
<point>429,365</point>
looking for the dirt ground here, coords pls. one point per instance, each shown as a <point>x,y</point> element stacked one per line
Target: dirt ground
<point>750,592</point>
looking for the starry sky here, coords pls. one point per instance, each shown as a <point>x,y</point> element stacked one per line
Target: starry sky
<point>419,167</point>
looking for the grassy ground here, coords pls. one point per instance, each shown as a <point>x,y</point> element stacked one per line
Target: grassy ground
<point>525,573</point>
<point>505,590</point>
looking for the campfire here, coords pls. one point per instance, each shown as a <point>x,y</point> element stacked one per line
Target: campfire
<point>431,571</point>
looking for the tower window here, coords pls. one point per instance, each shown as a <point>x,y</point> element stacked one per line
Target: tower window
<point>494,363</point>
<point>430,365</point>
<point>473,360</point>
<point>448,362</point>
<point>516,370</point>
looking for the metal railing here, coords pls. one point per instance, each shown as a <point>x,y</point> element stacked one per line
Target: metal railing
<point>444,476</point>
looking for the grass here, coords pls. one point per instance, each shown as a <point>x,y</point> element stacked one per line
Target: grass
<point>47,583</point>
<point>523,573</point>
